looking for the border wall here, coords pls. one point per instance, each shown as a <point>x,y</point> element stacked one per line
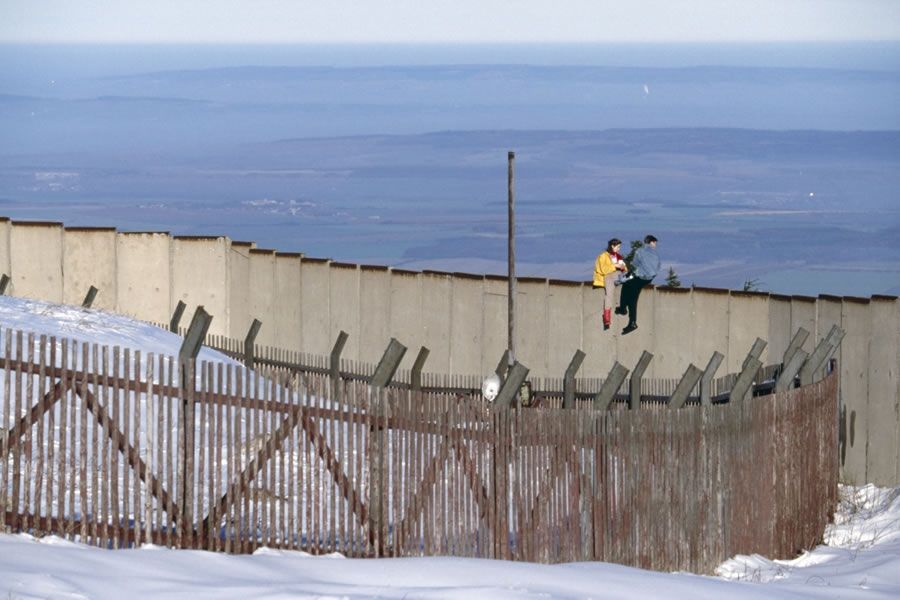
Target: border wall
<point>304,303</point>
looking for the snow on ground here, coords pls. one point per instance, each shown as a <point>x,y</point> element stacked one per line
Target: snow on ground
<point>861,558</point>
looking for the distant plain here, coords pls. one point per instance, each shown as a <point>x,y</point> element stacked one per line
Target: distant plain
<point>776,166</point>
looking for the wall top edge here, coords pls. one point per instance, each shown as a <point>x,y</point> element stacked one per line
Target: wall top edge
<point>856,300</point>
<point>799,298</point>
<point>405,272</point>
<point>37,224</point>
<point>316,261</point>
<point>343,265</point>
<point>4,219</point>
<point>743,294</point>
<point>566,282</point>
<point>90,229</point>
<point>288,255</point>
<point>469,276</point>
<point>830,297</point>
<point>667,289</point>
<point>884,298</point>
<point>381,268</point>
<point>709,290</point>
<point>437,273</point>
<point>541,280</point>
<point>262,251</point>
<point>492,277</point>
<point>784,297</point>
<point>198,238</point>
<point>144,233</point>
<point>242,244</point>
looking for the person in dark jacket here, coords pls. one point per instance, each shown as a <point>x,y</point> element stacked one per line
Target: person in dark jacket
<point>644,266</point>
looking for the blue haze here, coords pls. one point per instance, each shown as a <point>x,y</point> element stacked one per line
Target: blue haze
<point>774,163</point>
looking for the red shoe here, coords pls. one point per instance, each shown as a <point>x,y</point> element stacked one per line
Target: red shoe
<point>607,318</point>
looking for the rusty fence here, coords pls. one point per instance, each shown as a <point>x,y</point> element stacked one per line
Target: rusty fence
<point>110,447</point>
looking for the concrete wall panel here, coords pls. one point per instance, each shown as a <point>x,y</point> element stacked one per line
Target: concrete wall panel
<point>201,277</point>
<point>405,318</point>
<point>883,461</point>
<point>261,300</point>
<point>531,326</point>
<point>89,258</point>
<point>564,336</point>
<point>436,301</point>
<point>494,334</point>
<point>710,326</point>
<point>315,307</point>
<point>803,314</point>
<point>345,311</point>
<point>780,332</point>
<point>144,276</point>
<point>674,327</point>
<point>856,322</point>
<point>5,228</point>
<point>375,303</point>
<point>466,318</point>
<point>36,260</point>
<point>748,319</point>
<point>286,301</point>
<point>239,292</point>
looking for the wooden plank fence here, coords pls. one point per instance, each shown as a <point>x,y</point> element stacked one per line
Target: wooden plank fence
<point>104,446</point>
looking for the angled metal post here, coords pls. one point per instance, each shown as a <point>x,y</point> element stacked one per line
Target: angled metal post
<point>785,379</point>
<point>706,380</point>
<point>388,364</point>
<point>690,378</point>
<point>194,337</point>
<point>176,317</point>
<point>611,385</point>
<point>4,283</point>
<point>744,384</point>
<point>509,391</point>
<point>821,353</point>
<point>755,352</point>
<point>797,341</point>
<point>89,297</point>
<point>503,365</point>
<point>250,341</point>
<point>569,380</point>
<point>634,401</point>
<point>334,360</point>
<point>415,376</point>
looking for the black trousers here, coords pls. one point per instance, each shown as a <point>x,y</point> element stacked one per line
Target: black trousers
<point>631,289</point>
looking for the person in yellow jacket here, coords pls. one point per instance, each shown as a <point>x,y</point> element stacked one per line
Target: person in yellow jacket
<point>606,268</point>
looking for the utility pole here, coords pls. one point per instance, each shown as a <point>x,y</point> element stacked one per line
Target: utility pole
<point>511,345</point>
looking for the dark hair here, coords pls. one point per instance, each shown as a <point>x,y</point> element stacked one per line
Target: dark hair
<point>649,239</point>
<point>612,242</point>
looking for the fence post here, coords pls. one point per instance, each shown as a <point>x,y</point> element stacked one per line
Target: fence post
<point>509,391</point>
<point>176,317</point>
<point>89,297</point>
<point>690,378</point>
<point>824,348</point>
<point>755,352</point>
<point>611,385</point>
<point>249,342</point>
<point>634,400</point>
<point>743,386</point>
<point>785,379</point>
<point>4,283</point>
<point>334,360</point>
<point>388,364</point>
<point>187,357</point>
<point>569,381</point>
<point>798,340</point>
<point>503,365</point>
<point>415,376</point>
<point>706,380</point>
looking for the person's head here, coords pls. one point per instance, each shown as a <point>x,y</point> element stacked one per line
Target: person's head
<point>650,240</point>
<point>613,245</point>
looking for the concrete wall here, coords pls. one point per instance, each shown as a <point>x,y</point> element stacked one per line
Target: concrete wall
<point>305,302</point>
<point>90,258</point>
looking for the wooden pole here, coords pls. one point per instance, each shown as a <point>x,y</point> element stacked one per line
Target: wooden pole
<point>511,255</point>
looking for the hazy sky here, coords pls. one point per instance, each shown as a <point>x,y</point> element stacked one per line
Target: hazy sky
<point>457,21</point>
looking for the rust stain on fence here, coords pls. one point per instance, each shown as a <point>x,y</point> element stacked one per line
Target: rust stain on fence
<point>294,461</point>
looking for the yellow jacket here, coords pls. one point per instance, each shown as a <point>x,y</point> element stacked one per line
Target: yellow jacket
<point>603,266</point>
